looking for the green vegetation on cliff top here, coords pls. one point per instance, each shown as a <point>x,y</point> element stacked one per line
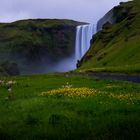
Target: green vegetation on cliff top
<point>116,48</point>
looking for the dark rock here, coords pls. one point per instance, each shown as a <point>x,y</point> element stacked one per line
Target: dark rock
<point>9,68</point>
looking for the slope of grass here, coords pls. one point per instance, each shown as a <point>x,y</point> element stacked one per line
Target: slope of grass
<point>116,47</point>
<point>111,113</point>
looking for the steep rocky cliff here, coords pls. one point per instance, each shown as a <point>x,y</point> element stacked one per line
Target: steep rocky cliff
<point>108,18</point>
<point>115,15</point>
<point>116,45</point>
<point>36,46</point>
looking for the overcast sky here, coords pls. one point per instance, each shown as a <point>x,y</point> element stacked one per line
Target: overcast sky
<point>81,10</point>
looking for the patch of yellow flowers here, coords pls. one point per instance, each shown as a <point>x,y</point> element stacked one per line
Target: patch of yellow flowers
<point>125,96</point>
<point>71,92</point>
<point>130,97</point>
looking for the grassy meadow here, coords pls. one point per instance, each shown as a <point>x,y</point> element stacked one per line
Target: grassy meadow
<point>62,106</point>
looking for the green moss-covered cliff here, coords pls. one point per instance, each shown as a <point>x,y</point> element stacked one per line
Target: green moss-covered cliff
<point>36,45</point>
<point>116,46</point>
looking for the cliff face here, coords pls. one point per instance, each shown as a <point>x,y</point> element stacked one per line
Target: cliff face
<point>116,45</point>
<point>37,45</point>
<point>115,15</point>
<point>107,18</point>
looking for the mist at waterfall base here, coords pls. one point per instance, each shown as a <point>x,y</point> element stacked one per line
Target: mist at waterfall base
<point>65,65</point>
<point>50,66</point>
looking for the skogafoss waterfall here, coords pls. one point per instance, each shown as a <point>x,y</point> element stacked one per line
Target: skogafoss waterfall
<point>84,34</point>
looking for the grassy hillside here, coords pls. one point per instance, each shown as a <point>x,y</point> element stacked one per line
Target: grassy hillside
<point>116,47</point>
<point>46,107</point>
<point>35,43</point>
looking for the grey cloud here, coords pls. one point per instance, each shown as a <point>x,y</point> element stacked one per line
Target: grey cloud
<point>81,10</point>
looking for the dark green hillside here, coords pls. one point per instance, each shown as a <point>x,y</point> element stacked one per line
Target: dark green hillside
<point>116,48</point>
<point>33,44</point>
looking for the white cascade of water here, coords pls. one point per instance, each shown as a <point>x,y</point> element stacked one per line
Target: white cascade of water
<point>84,34</point>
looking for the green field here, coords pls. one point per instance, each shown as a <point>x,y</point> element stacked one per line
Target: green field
<point>110,112</point>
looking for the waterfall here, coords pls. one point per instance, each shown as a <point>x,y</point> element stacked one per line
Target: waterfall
<point>84,34</point>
